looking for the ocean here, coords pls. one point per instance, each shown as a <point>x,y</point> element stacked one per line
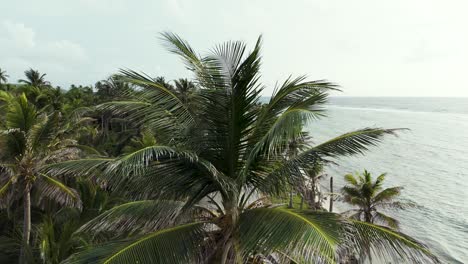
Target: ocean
<point>430,161</point>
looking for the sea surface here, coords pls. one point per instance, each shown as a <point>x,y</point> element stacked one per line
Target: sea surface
<point>430,161</point>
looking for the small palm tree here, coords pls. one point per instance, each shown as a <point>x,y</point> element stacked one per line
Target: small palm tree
<point>369,196</point>
<point>3,76</point>
<point>312,192</point>
<point>34,78</point>
<point>30,140</point>
<point>198,191</point>
<point>185,89</point>
<point>111,89</point>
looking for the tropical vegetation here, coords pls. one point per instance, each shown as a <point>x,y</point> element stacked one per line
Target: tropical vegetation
<point>138,169</point>
<point>370,198</point>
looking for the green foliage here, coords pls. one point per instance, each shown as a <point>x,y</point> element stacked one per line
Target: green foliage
<point>3,76</point>
<point>370,197</point>
<point>143,170</point>
<point>34,78</point>
<point>218,150</point>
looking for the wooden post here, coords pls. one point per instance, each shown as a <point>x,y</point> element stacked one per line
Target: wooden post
<point>331,194</point>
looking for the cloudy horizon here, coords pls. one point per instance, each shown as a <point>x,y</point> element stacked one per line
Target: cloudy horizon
<point>369,48</point>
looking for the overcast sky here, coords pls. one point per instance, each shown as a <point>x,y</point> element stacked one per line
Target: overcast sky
<point>370,48</point>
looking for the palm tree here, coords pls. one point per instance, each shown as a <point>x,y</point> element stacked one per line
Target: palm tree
<point>369,196</point>
<point>28,141</point>
<point>312,193</point>
<point>198,193</point>
<point>294,146</point>
<point>3,76</point>
<point>57,230</point>
<point>185,89</point>
<point>34,78</point>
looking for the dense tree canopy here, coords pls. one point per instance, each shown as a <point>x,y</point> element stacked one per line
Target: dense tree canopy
<point>155,171</point>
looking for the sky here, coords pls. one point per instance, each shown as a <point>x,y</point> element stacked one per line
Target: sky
<point>368,47</point>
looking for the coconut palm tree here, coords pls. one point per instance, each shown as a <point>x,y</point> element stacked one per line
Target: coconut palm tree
<point>199,191</point>
<point>369,196</point>
<point>34,78</point>
<point>3,76</point>
<point>56,231</point>
<point>313,193</point>
<point>29,140</point>
<point>185,89</point>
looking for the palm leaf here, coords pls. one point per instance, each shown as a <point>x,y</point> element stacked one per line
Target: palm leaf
<point>389,245</point>
<point>21,114</point>
<point>353,142</point>
<point>387,195</point>
<point>138,216</point>
<point>164,99</point>
<point>379,217</point>
<point>136,164</point>
<point>83,167</point>
<point>312,237</point>
<point>44,131</point>
<point>58,192</point>
<point>181,244</point>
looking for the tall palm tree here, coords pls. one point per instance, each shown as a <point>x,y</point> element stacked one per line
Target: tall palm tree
<point>294,146</point>
<point>34,78</point>
<point>369,196</point>
<point>3,76</point>
<point>197,191</point>
<point>30,140</point>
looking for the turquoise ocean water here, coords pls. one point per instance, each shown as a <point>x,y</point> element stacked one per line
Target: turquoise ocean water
<point>430,161</point>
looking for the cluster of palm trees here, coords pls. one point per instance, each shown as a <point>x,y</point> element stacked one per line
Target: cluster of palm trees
<point>194,179</point>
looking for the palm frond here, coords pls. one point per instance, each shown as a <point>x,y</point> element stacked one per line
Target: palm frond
<point>138,216</point>
<point>5,186</point>
<point>87,149</point>
<point>228,106</point>
<point>181,244</point>
<point>283,173</point>
<point>83,167</point>
<point>311,236</point>
<point>389,245</point>
<point>286,127</point>
<point>387,195</point>
<point>57,191</point>
<point>296,99</point>
<point>136,162</point>
<point>384,219</point>
<point>353,142</point>
<point>44,131</point>
<point>208,74</point>
<point>353,195</point>
<point>21,114</point>
<point>165,110</point>
<point>349,178</point>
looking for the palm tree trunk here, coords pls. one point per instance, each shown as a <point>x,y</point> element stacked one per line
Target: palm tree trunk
<point>26,222</point>
<point>331,195</point>
<point>226,249</point>
<point>290,199</point>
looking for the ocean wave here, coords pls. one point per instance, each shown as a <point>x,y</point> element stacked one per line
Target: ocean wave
<point>404,110</point>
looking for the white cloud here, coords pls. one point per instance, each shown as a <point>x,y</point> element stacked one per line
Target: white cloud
<point>369,47</point>
<point>21,48</point>
<point>64,50</point>
<point>20,34</point>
